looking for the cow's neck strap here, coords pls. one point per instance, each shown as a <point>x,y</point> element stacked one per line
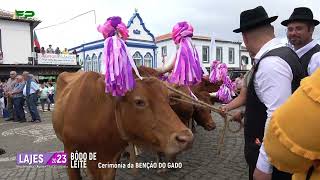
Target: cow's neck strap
<point>122,133</point>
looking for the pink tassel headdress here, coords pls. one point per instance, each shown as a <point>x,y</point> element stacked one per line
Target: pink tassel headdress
<point>187,70</point>
<point>219,72</point>
<point>118,63</point>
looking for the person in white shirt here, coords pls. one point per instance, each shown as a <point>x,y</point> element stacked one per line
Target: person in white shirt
<point>300,27</point>
<point>30,91</point>
<point>51,93</point>
<point>277,73</point>
<point>44,94</point>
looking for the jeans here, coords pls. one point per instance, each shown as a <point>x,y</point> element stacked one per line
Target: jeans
<point>32,106</point>
<point>18,103</point>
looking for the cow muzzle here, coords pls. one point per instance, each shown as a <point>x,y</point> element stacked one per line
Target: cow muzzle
<point>179,141</point>
<point>210,126</point>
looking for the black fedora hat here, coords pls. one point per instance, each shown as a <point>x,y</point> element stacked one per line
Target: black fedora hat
<point>252,18</point>
<point>301,14</point>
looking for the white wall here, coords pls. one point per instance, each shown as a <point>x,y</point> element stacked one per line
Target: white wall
<point>225,53</point>
<point>143,34</point>
<point>171,50</point>
<point>16,42</point>
<point>198,44</point>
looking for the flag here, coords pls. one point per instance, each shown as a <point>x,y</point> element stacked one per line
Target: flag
<point>35,40</point>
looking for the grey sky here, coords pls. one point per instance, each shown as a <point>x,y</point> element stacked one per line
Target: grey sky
<point>207,16</point>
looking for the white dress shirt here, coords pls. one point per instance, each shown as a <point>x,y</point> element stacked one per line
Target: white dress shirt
<point>314,63</point>
<point>272,84</point>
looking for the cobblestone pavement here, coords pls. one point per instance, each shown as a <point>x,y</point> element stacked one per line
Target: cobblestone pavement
<point>199,163</point>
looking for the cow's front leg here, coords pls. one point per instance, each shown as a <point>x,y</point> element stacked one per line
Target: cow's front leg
<point>73,173</point>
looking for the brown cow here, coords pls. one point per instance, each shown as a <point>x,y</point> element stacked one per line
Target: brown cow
<point>187,111</point>
<point>87,119</point>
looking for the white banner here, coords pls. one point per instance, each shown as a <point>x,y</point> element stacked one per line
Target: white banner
<point>57,59</point>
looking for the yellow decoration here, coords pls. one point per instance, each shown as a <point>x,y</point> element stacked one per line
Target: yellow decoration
<point>292,139</point>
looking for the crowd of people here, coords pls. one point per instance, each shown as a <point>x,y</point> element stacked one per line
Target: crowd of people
<point>21,90</point>
<point>51,50</point>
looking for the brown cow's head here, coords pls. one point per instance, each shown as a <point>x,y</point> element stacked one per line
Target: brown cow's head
<point>149,120</point>
<point>203,115</point>
<point>183,110</point>
<point>206,85</point>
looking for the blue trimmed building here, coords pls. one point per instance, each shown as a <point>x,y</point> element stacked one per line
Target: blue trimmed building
<point>141,44</point>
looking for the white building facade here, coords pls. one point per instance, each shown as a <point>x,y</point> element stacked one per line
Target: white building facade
<point>228,52</point>
<point>141,45</point>
<point>16,38</point>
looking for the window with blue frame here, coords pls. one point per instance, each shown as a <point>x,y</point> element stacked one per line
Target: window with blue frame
<point>99,62</point>
<point>87,66</point>
<point>137,57</point>
<point>94,63</point>
<point>148,60</point>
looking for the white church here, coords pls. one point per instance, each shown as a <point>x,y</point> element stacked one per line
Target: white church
<point>151,51</point>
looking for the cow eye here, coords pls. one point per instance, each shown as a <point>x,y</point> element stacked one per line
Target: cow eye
<point>139,103</point>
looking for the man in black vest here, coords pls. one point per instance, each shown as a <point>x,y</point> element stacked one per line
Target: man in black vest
<point>300,27</point>
<point>277,73</point>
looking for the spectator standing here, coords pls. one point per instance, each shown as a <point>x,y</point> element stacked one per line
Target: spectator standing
<point>18,99</point>
<point>65,51</point>
<point>51,93</point>
<point>31,90</point>
<point>239,83</point>
<point>2,105</point>
<point>57,51</point>
<point>9,87</point>
<point>50,50</point>
<point>4,96</point>
<point>44,92</point>
<point>42,51</point>
<point>36,49</point>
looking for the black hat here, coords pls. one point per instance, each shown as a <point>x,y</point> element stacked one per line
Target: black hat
<point>252,18</point>
<point>301,14</point>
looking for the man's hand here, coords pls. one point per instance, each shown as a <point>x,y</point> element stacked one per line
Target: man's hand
<point>259,175</point>
<point>224,108</point>
<point>237,116</point>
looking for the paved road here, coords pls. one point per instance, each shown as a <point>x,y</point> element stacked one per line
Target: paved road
<point>200,163</point>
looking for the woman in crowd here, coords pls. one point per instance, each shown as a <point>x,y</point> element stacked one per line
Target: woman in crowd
<point>44,92</point>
